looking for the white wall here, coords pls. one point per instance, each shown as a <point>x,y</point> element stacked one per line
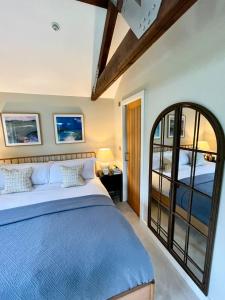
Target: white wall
<point>98,120</point>
<point>186,64</point>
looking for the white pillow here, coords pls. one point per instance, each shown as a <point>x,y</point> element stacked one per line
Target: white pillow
<point>40,175</point>
<point>88,171</point>
<point>72,176</point>
<point>200,160</point>
<point>17,181</point>
<point>184,158</point>
<point>167,159</point>
<point>156,161</point>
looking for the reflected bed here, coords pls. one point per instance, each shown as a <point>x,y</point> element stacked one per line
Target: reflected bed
<point>201,201</point>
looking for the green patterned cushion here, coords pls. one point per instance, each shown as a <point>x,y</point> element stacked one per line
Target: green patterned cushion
<point>72,176</point>
<point>17,180</point>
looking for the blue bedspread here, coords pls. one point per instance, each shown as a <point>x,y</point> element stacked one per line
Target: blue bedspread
<point>80,248</point>
<point>201,204</point>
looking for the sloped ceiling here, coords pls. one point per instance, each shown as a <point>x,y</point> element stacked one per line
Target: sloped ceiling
<point>36,60</point>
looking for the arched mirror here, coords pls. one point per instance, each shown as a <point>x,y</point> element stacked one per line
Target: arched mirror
<point>186,166</point>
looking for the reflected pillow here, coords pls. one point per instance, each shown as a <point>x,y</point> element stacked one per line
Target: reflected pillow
<point>72,176</point>
<point>167,160</point>
<point>156,161</point>
<point>200,159</point>
<point>17,180</point>
<point>184,158</point>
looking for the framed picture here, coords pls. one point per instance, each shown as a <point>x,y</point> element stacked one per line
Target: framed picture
<point>69,128</point>
<point>157,134</point>
<point>170,128</point>
<point>21,129</point>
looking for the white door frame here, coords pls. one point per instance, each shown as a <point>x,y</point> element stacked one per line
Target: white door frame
<point>125,102</point>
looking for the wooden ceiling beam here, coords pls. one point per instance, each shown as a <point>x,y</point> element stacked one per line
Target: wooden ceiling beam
<point>110,23</point>
<point>131,48</point>
<point>100,3</point>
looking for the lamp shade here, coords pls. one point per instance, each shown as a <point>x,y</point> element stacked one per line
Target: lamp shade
<point>105,155</point>
<point>203,145</point>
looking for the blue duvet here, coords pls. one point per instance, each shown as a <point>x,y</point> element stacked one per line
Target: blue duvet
<point>201,202</point>
<point>80,248</point>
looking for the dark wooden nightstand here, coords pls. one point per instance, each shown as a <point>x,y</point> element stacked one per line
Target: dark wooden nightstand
<point>114,185</point>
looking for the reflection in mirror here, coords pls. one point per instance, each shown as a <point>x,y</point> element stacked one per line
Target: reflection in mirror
<point>184,193</point>
<point>188,127</point>
<point>201,211</point>
<point>166,192</point>
<point>169,128</point>
<point>167,162</point>
<point>157,134</point>
<point>154,225</point>
<point>157,163</point>
<point>185,166</point>
<point>207,137</point>
<point>162,160</point>
<point>195,270</point>
<point>183,198</point>
<point>154,211</point>
<point>179,237</point>
<point>197,248</point>
<point>178,251</point>
<point>164,221</point>
<point>156,182</point>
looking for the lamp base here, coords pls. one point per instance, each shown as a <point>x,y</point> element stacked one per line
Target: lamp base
<point>105,171</point>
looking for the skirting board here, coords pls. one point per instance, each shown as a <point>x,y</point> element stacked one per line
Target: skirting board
<point>185,276</point>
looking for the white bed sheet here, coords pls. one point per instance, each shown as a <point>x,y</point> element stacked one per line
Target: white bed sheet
<point>49,192</point>
<point>184,172</point>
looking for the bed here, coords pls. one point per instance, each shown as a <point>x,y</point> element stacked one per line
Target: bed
<point>203,183</point>
<point>69,243</point>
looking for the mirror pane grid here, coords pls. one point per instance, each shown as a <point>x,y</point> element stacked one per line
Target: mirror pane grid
<point>164,222</point>
<point>184,168</point>
<point>179,237</point>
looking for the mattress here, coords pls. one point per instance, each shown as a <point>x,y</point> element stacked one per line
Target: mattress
<point>49,192</point>
<point>184,172</point>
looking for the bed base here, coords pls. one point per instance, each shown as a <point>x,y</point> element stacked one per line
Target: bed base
<point>143,292</point>
<point>166,202</point>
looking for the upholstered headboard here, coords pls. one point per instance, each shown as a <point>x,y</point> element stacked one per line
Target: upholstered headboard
<point>46,158</point>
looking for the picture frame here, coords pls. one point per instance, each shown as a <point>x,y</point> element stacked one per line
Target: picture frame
<point>69,128</point>
<point>157,134</point>
<point>21,129</point>
<point>170,128</point>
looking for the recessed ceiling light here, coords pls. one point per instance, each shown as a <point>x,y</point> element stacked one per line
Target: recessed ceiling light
<point>55,26</point>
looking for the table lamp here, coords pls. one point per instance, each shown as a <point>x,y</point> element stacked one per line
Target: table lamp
<point>105,157</point>
<point>204,146</point>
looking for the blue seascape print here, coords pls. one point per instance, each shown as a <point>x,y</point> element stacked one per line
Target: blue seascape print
<point>69,129</point>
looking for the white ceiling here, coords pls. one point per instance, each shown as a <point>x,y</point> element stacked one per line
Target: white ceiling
<point>34,59</point>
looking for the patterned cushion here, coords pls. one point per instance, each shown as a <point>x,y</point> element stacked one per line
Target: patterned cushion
<point>17,180</point>
<point>72,176</point>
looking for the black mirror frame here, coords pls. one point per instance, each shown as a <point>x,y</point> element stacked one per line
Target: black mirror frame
<point>204,286</point>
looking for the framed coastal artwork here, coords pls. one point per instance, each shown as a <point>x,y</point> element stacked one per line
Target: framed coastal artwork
<point>21,129</point>
<point>69,128</point>
<point>170,132</point>
<point>157,134</point>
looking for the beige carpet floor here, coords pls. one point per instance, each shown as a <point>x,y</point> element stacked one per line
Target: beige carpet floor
<point>169,283</point>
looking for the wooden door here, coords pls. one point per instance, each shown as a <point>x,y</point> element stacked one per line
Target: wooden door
<point>133,130</point>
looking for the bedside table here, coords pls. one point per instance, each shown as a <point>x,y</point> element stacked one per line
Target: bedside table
<point>113,183</point>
